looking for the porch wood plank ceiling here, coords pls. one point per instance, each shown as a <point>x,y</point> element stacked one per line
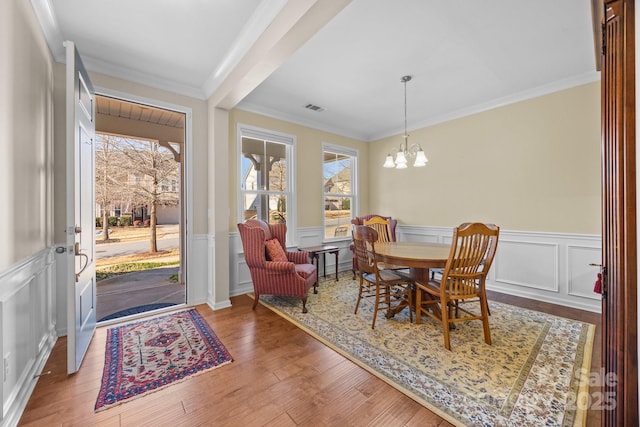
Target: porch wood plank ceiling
<point>132,111</point>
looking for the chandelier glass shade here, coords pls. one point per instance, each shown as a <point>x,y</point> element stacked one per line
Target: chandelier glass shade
<point>406,151</point>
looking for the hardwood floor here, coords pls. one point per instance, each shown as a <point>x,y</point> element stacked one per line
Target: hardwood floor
<point>280,377</point>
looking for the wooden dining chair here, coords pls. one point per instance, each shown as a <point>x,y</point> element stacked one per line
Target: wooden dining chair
<point>472,251</point>
<point>359,220</point>
<point>384,286</point>
<point>436,275</point>
<point>382,225</point>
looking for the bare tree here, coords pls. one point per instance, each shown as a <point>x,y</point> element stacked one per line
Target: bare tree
<point>110,178</point>
<point>153,178</point>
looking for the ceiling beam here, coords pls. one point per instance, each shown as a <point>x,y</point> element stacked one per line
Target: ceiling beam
<point>291,28</point>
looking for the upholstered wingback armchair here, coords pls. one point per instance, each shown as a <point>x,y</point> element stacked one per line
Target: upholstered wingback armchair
<point>360,220</point>
<point>274,271</point>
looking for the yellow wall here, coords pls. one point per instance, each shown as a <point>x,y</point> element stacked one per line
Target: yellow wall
<point>530,166</point>
<point>26,134</point>
<point>539,164</point>
<point>308,165</point>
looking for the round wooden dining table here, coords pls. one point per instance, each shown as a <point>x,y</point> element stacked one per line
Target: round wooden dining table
<point>420,257</point>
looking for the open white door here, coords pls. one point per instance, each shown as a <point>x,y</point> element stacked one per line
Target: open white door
<point>81,268</point>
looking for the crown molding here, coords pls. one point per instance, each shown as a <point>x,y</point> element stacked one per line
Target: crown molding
<point>297,120</point>
<point>124,73</point>
<point>49,25</point>
<point>475,109</point>
<point>547,89</point>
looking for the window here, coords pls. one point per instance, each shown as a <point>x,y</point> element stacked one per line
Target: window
<point>169,185</point>
<point>266,176</point>
<point>339,190</point>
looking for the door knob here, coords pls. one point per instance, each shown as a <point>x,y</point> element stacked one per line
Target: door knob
<point>77,229</point>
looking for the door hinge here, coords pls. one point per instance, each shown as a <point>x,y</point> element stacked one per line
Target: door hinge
<point>603,48</point>
<point>605,282</point>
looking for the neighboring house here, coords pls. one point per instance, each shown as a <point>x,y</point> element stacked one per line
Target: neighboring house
<point>126,202</point>
<point>251,179</point>
<point>339,183</point>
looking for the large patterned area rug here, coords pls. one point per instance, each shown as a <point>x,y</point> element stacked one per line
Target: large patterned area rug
<point>531,375</point>
<point>145,356</point>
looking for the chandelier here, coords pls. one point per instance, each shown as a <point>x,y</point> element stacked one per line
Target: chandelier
<point>406,152</point>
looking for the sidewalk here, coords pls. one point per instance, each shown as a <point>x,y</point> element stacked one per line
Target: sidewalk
<point>141,288</point>
<point>139,291</point>
<point>122,234</point>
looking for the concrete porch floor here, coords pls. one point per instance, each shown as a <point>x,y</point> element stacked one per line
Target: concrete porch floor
<point>137,289</point>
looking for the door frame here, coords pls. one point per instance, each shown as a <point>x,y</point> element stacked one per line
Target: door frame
<point>620,256</point>
<point>186,253</point>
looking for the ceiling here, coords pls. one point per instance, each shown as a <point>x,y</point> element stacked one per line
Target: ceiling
<point>274,57</point>
<point>138,112</point>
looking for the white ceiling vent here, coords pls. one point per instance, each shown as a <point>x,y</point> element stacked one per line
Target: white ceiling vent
<point>313,107</point>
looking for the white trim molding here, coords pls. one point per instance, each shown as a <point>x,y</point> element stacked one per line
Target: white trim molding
<point>211,281</point>
<point>550,267</point>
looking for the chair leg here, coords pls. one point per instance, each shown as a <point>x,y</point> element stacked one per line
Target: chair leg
<point>484,309</point>
<point>387,301</point>
<point>375,307</point>
<point>359,297</point>
<point>409,299</point>
<point>315,287</point>
<point>304,304</point>
<point>445,322</point>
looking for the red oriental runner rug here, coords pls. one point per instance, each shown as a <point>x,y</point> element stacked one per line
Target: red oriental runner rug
<point>145,356</point>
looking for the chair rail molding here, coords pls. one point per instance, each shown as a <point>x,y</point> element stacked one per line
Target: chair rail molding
<point>551,267</point>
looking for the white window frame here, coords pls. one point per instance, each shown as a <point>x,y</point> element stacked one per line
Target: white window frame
<point>355,155</point>
<point>248,131</point>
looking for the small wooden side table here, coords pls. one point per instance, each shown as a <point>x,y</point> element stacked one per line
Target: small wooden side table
<point>316,251</point>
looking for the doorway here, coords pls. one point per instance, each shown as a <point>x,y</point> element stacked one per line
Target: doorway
<point>140,208</point>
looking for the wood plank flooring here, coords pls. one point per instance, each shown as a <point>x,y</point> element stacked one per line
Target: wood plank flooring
<point>280,377</point>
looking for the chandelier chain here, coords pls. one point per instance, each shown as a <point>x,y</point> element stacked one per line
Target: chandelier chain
<point>405,79</point>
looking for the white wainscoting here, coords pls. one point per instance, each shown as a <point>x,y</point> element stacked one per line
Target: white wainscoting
<point>551,267</point>
<point>27,313</point>
<point>199,263</point>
